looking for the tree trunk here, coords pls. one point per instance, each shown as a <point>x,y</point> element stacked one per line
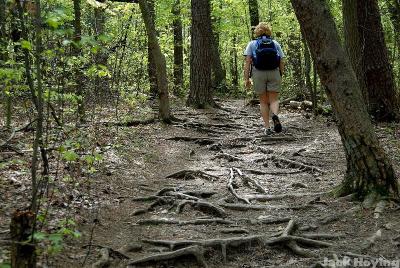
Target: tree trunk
<point>394,11</point>
<point>294,60</point>
<point>3,59</point>
<point>200,95</point>
<point>234,65</point>
<point>38,142</point>
<point>369,170</point>
<point>101,84</point>
<point>253,11</point>
<point>76,51</point>
<point>178,48</point>
<point>219,72</point>
<point>369,57</point>
<point>151,65</point>
<point>23,253</point>
<point>159,60</point>
<point>3,36</point>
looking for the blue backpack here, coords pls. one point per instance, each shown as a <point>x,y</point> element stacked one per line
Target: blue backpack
<point>265,56</point>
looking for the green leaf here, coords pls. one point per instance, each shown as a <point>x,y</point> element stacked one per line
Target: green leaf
<point>70,156</point>
<point>26,45</point>
<point>39,236</point>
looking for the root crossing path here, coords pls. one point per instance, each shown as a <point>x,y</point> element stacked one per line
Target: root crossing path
<point>213,191</point>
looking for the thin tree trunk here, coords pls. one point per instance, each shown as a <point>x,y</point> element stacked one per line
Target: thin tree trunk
<point>178,48</point>
<point>160,64</point>
<point>369,170</point>
<point>200,95</point>
<point>38,142</point>
<point>234,64</point>
<point>3,59</point>
<point>79,89</point>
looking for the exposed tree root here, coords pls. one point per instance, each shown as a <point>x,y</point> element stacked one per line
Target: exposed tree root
<point>200,194</point>
<point>159,202</point>
<point>264,198</point>
<point>276,138</point>
<point>248,180</point>
<point>195,251</point>
<point>234,231</point>
<point>230,158</point>
<point>192,175</point>
<point>262,172</point>
<point>202,206</point>
<point>178,222</point>
<point>232,190</point>
<point>198,140</point>
<point>245,207</point>
<point>131,123</point>
<point>223,243</point>
<point>294,164</point>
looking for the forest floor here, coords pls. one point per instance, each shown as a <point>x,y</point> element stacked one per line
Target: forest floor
<point>213,190</point>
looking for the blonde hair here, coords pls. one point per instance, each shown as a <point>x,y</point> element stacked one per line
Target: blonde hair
<point>262,28</point>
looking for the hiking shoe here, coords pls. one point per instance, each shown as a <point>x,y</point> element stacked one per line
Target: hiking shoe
<point>268,131</point>
<point>277,123</point>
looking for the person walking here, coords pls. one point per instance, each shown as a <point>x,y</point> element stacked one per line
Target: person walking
<point>266,56</point>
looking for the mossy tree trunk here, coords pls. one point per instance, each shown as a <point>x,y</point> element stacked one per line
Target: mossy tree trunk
<point>369,170</point>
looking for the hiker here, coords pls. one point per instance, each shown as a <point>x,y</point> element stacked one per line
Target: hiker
<point>266,56</point>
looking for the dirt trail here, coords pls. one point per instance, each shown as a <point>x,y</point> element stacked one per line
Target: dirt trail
<point>236,185</point>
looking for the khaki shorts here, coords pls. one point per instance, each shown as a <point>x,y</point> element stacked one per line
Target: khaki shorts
<point>269,80</point>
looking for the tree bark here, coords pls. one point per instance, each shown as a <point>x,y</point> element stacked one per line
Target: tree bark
<point>159,60</point>
<point>200,95</point>
<point>76,51</point>
<point>394,11</point>
<point>367,49</point>
<point>234,64</point>
<point>219,81</point>
<point>294,53</point>
<point>151,65</point>
<point>253,11</point>
<point>23,253</point>
<point>178,47</point>
<point>369,170</point>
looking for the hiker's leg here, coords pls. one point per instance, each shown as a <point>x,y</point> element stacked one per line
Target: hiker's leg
<point>264,109</point>
<point>273,98</point>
